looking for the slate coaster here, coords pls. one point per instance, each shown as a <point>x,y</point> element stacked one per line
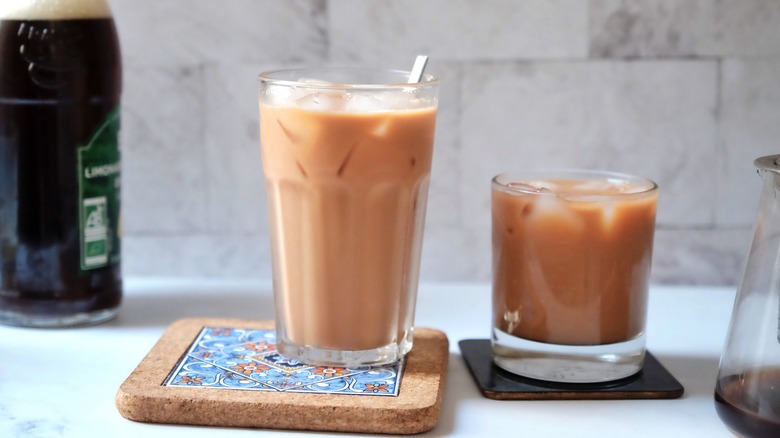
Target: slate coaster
<point>653,382</point>
<point>226,372</point>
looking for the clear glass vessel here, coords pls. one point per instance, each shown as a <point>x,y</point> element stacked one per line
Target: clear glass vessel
<point>347,159</point>
<point>747,392</point>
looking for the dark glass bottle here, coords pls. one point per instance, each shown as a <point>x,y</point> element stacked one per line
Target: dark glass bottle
<point>60,85</point>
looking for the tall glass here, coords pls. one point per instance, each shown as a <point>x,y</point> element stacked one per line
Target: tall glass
<point>571,263</point>
<point>347,159</point>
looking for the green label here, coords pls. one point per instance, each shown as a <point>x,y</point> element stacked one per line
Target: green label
<point>99,188</point>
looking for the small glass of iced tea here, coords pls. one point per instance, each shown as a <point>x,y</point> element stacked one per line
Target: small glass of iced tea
<point>571,262</point>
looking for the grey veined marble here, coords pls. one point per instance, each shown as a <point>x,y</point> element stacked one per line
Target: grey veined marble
<point>702,28</point>
<point>683,92</point>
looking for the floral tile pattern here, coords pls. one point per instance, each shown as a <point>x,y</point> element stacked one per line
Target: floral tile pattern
<point>229,358</point>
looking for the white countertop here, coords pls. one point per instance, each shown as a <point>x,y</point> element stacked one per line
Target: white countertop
<point>61,383</point>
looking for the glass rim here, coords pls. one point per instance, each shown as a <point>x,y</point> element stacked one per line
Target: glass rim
<point>271,77</point>
<point>646,186</point>
<point>769,163</point>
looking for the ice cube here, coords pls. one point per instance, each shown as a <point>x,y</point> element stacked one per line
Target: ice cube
<point>322,101</point>
<point>550,211</point>
<point>362,103</point>
<point>594,187</point>
<point>550,204</point>
<point>608,214</point>
<point>278,95</point>
<point>381,129</point>
<point>531,186</point>
<point>307,101</point>
<point>398,101</point>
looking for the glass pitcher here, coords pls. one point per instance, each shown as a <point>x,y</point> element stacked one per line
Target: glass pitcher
<point>747,392</point>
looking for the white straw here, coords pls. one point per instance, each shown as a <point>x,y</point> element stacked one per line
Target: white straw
<point>418,69</point>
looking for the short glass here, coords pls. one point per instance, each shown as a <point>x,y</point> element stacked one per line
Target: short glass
<point>347,159</point>
<point>572,251</point>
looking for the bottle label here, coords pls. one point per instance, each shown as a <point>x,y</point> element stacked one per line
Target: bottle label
<point>99,196</point>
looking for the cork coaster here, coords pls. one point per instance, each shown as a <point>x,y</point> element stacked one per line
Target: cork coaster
<point>225,372</point>
<point>653,382</point>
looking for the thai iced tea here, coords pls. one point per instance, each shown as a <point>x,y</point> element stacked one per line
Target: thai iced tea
<point>571,259</point>
<point>347,169</point>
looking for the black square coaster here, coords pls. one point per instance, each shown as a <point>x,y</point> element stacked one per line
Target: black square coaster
<point>653,382</point>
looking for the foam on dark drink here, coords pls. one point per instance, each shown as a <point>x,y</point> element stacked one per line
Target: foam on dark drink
<point>54,10</point>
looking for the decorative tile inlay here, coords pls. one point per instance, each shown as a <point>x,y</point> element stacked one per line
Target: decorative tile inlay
<point>229,358</point>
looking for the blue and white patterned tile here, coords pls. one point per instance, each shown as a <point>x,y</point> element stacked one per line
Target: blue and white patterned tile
<point>228,358</point>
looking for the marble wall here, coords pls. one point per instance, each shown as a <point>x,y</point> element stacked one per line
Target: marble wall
<point>686,92</point>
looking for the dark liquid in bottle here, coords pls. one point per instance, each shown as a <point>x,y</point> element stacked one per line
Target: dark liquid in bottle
<point>59,80</point>
<point>749,404</point>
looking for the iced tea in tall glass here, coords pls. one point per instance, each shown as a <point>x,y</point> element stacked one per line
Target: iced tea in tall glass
<point>347,160</point>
